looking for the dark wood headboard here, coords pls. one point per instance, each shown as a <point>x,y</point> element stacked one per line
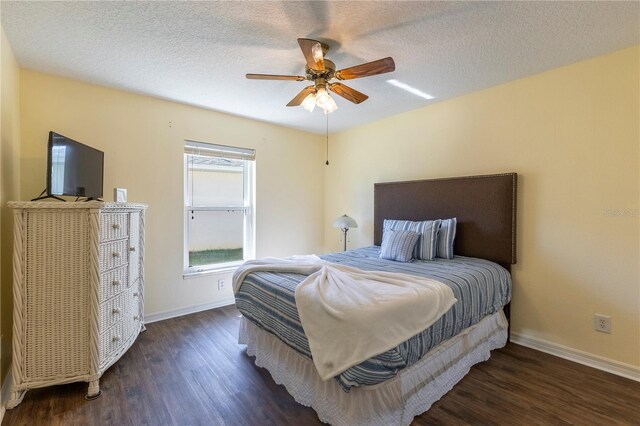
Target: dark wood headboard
<point>485,207</point>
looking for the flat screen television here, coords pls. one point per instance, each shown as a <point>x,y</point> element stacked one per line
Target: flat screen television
<point>73,169</point>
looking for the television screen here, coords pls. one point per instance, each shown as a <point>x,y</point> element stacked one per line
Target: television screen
<point>73,168</point>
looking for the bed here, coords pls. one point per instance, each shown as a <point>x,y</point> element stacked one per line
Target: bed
<point>395,386</point>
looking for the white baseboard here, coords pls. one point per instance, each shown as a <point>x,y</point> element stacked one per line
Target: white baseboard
<point>601,363</point>
<point>160,316</point>
<point>4,396</point>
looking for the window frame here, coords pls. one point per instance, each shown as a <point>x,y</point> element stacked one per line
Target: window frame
<point>248,207</point>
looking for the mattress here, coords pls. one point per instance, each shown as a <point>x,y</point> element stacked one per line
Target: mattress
<point>481,288</point>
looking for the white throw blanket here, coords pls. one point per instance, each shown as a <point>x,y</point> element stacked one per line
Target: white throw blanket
<point>349,315</point>
<point>306,265</point>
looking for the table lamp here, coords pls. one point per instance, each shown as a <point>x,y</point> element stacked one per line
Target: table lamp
<point>344,222</point>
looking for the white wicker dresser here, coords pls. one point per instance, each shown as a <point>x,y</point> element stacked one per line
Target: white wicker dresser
<point>77,292</point>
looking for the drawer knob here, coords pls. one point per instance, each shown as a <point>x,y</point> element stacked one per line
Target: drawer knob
<point>116,310</point>
<point>116,338</point>
<point>116,226</point>
<point>132,249</point>
<point>116,282</point>
<point>116,254</point>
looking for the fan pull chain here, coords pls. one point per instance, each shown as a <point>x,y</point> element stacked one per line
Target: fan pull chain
<point>327,163</point>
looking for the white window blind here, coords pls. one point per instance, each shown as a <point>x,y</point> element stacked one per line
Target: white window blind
<point>221,151</point>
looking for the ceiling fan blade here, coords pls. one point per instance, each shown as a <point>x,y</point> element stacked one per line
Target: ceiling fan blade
<point>348,93</point>
<point>313,53</point>
<point>380,66</point>
<point>301,96</point>
<point>275,77</point>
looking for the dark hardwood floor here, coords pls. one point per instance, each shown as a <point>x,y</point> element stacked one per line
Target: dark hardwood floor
<point>191,371</point>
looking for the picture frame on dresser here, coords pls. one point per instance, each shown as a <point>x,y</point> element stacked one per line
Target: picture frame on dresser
<point>78,291</point>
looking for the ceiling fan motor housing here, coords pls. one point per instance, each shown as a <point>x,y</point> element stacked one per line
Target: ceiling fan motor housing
<point>327,74</point>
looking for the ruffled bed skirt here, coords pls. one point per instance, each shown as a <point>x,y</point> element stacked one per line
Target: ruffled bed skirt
<point>394,402</point>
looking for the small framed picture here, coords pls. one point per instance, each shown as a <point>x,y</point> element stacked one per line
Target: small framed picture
<point>120,195</point>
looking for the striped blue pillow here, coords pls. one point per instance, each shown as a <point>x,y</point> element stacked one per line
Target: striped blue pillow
<point>427,231</point>
<point>446,235</point>
<point>398,245</point>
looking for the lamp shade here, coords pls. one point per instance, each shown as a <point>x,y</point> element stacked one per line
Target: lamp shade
<point>345,222</point>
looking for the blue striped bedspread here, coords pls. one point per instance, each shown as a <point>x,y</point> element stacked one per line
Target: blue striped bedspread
<point>480,286</point>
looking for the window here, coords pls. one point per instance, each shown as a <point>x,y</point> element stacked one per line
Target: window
<point>219,216</point>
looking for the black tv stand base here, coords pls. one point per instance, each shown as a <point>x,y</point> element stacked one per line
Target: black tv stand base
<point>44,197</point>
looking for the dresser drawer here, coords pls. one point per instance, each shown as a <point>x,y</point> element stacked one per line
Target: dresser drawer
<point>133,317</point>
<point>114,254</point>
<point>112,311</point>
<point>114,226</point>
<point>111,341</point>
<point>113,282</point>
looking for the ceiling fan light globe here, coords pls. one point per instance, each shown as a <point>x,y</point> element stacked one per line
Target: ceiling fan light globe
<point>322,98</point>
<point>309,102</point>
<point>330,106</point>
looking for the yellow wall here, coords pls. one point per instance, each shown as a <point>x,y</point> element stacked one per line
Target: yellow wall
<point>572,134</point>
<point>143,140</point>
<point>9,186</point>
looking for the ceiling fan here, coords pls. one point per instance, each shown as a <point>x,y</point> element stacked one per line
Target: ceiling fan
<point>321,71</point>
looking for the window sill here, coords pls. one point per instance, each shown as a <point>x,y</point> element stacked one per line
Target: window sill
<point>211,271</point>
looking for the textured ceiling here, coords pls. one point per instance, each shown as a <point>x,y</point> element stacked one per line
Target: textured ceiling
<point>199,52</point>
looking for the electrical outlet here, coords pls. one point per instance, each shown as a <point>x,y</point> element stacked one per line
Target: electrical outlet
<point>221,284</point>
<point>602,323</point>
